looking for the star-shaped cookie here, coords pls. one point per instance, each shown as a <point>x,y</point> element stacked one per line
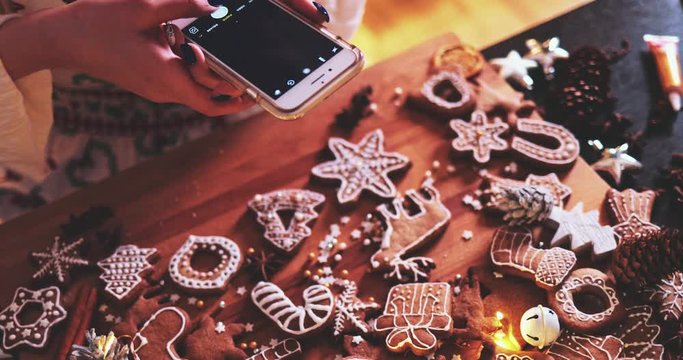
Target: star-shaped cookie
<point>615,161</point>
<point>479,136</point>
<point>34,334</point>
<point>58,259</point>
<point>362,166</point>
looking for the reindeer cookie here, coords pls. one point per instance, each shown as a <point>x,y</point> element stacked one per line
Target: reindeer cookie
<point>159,335</point>
<point>296,320</point>
<point>416,317</point>
<point>512,252</point>
<point>405,232</point>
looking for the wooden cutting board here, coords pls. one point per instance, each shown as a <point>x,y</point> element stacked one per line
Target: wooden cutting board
<point>203,189</point>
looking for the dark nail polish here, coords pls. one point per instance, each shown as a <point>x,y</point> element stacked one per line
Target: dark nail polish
<point>187,54</point>
<point>322,10</point>
<point>221,98</point>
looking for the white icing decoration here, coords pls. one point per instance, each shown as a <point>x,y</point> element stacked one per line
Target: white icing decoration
<point>564,155</point>
<point>143,341</point>
<point>122,270</point>
<point>401,237</point>
<point>272,301</point>
<point>286,237</point>
<point>410,309</point>
<point>34,334</point>
<point>458,83</point>
<point>572,285</point>
<point>479,136</point>
<point>183,274</point>
<point>362,166</point>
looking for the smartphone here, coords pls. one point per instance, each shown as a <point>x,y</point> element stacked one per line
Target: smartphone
<point>278,58</point>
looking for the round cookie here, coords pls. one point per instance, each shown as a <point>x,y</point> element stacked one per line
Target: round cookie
<point>187,277</point>
<point>586,281</point>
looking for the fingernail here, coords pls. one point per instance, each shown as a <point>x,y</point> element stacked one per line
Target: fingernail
<point>221,98</point>
<point>322,10</point>
<point>170,34</point>
<point>187,54</point>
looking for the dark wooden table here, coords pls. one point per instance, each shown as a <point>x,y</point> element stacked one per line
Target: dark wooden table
<point>203,189</point>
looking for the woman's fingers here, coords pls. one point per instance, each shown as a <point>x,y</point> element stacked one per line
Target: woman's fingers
<point>189,92</point>
<point>310,9</point>
<point>196,62</point>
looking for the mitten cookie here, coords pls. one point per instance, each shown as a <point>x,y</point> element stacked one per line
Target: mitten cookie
<point>593,283</point>
<point>512,252</point>
<point>214,341</point>
<point>159,335</point>
<point>416,317</point>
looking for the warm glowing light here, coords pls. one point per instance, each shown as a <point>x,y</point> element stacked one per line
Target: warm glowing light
<point>505,338</point>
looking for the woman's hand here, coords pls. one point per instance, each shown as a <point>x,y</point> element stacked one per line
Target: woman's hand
<point>122,41</point>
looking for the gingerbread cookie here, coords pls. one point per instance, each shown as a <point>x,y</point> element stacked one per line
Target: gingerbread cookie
<point>416,317</point>
<point>404,232</point>
<point>159,335</point>
<point>479,136</point>
<point>34,334</point>
<point>350,311</point>
<point>122,271</point>
<point>563,156</point>
<point>285,349</point>
<point>469,320</point>
<point>573,346</point>
<point>668,295</point>
<point>632,211</point>
<point>639,335</point>
<point>302,203</point>
<point>363,350</point>
<point>187,277</point>
<point>141,310</point>
<point>462,58</point>
<point>522,355</point>
<point>214,341</point>
<point>583,230</point>
<point>446,94</point>
<point>507,103</point>
<point>296,320</point>
<point>587,282</point>
<point>362,166</point>
<point>494,185</point>
<point>58,259</point>
<point>512,252</point>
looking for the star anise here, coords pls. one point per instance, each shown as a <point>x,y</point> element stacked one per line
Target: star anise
<point>261,265</point>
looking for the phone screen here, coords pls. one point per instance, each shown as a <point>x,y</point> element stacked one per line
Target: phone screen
<point>263,43</point>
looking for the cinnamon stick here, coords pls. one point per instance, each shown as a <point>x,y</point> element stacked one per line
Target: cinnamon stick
<point>81,314</point>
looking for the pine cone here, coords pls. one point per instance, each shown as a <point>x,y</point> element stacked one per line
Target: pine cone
<point>524,205</point>
<point>647,258</point>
